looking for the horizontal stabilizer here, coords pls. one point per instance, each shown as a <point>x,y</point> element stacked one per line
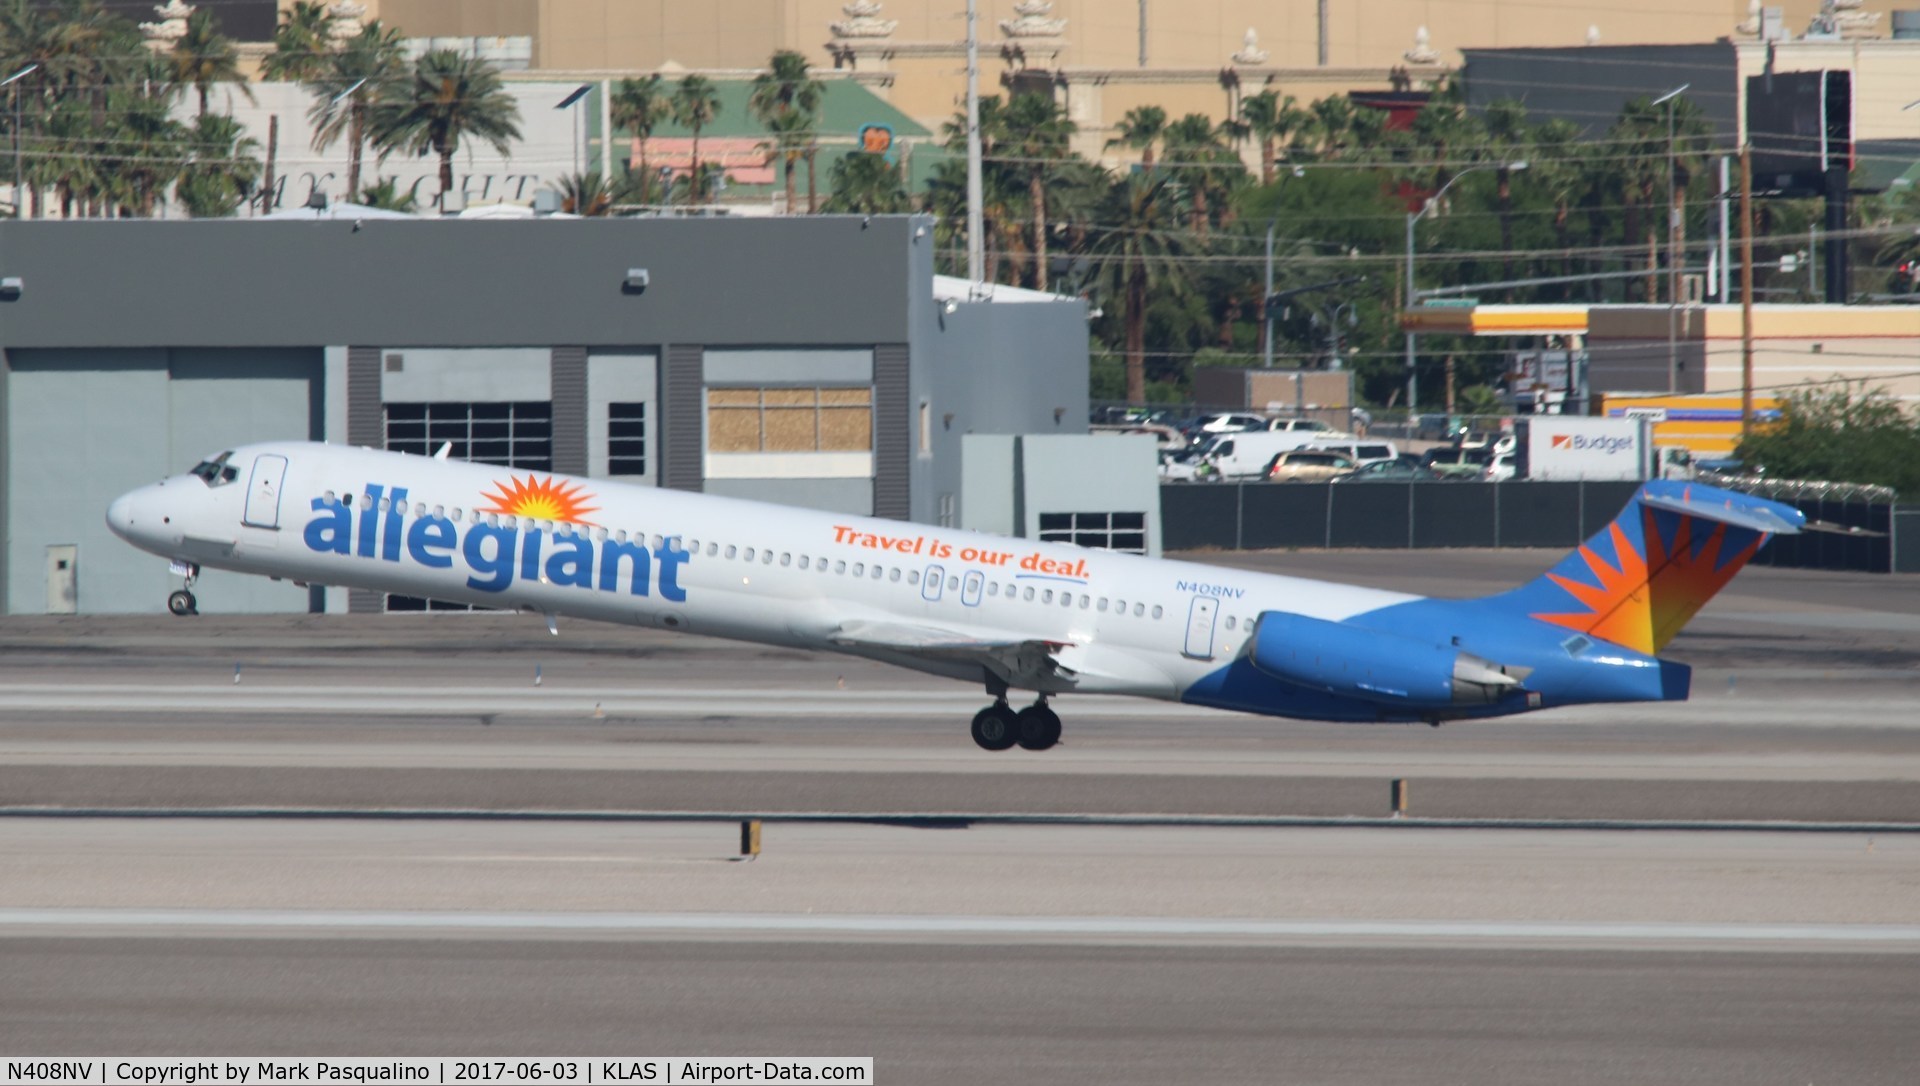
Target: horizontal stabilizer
<point>1727,507</point>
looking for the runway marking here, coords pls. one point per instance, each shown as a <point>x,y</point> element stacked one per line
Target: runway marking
<point>947,819</point>
<point>1880,935</point>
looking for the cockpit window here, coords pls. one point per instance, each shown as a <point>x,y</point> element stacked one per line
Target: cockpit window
<point>216,472</point>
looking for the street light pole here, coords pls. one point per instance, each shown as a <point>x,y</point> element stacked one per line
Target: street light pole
<point>19,200</point>
<point>1413,379</point>
<point>1266,297</point>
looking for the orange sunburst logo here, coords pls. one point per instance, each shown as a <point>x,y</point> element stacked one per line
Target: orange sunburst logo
<point>1642,600</point>
<point>541,499</point>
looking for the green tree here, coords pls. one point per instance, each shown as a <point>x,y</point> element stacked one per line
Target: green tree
<point>1038,131</point>
<point>386,195</point>
<point>204,56</point>
<point>1840,434</point>
<point>301,43</point>
<point>1272,120</point>
<point>999,185</point>
<point>639,106</point>
<point>587,195</point>
<point>1507,131</point>
<point>864,184</point>
<point>1140,129</point>
<point>1138,250</point>
<point>695,105</point>
<point>352,81</point>
<point>446,98</point>
<point>221,169</point>
<point>1202,162</point>
<point>786,99</point>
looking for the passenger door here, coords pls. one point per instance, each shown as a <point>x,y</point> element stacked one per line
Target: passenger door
<point>263,491</point>
<point>1200,619</point>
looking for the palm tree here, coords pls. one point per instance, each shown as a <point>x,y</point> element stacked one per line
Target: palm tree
<point>1137,250</point>
<point>793,134</point>
<point>221,170</point>
<point>1199,151</point>
<point>301,43</point>
<point>447,98</point>
<point>786,99</point>
<point>386,194</point>
<point>695,104</point>
<point>1272,120</point>
<point>864,184</point>
<point>1038,131</point>
<point>203,56</point>
<point>346,91</point>
<point>586,194</point>
<point>639,106</point>
<point>1140,129</point>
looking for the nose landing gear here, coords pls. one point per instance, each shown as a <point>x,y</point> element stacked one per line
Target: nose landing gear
<point>182,602</point>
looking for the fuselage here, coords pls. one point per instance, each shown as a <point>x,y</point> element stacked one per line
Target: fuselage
<point>1012,613</point>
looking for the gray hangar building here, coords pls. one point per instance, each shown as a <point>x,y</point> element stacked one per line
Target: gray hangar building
<point>802,360</point>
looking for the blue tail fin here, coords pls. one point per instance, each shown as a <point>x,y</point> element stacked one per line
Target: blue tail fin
<point>1641,579</point>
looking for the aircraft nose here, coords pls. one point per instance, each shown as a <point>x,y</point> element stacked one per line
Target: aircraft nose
<point>120,515</point>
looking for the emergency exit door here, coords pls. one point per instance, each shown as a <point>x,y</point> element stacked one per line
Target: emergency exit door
<point>263,491</point>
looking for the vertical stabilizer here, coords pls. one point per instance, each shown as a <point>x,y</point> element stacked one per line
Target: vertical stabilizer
<point>1645,575</point>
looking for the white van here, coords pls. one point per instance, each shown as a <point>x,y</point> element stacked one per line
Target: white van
<point>1361,452</point>
<point>1246,455</point>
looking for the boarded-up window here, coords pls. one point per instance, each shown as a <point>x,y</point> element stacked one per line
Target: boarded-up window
<point>745,420</point>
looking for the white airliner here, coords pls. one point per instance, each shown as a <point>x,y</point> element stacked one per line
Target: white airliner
<point>1008,613</point>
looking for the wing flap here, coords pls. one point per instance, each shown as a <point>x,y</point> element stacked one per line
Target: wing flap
<point>1021,661</point>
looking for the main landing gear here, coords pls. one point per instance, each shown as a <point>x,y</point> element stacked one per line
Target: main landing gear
<point>998,727</point>
<point>182,602</point>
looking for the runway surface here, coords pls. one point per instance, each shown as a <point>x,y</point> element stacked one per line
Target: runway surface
<point>952,950</point>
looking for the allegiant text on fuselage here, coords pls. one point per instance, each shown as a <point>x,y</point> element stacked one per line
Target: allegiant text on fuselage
<point>497,554</point>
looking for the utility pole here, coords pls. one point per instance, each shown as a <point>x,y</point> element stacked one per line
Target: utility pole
<point>976,245</point>
<point>1143,33</point>
<point>1746,291</point>
<point>1323,33</point>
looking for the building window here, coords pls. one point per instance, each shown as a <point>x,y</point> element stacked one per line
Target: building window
<point>513,435</point>
<point>751,420</point>
<point>1106,531</point>
<point>626,439</point>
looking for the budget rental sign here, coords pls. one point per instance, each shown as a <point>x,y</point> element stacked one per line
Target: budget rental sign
<point>1587,448</point>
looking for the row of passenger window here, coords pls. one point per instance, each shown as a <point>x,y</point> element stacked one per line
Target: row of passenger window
<point>764,556</point>
<point>875,571</point>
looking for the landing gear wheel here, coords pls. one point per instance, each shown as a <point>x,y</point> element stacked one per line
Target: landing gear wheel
<point>1037,727</point>
<point>995,727</point>
<point>183,603</point>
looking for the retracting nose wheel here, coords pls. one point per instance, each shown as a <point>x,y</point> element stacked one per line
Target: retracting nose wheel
<point>182,602</point>
<point>995,727</point>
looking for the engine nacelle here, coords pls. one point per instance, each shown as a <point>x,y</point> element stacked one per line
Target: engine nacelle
<point>1384,668</point>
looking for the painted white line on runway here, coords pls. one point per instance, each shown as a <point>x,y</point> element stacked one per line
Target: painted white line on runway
<point>1880,935</point>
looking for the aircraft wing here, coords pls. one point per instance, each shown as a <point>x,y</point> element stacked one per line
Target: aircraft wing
<point>1020,661</point>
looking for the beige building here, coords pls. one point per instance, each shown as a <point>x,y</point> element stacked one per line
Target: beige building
<point>1105,56</point>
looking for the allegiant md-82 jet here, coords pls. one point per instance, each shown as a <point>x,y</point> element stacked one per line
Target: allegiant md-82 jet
<point>1011,614</point>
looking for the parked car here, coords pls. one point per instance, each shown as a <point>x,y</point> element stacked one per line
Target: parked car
<point>1486,439</point>
<point>1360,452</point>
<point>1185,466</point>
<point>1307,466</point>
<point>1457,463</point>
<point>1227,422</point>
<point>1387,471</point>
<point>1314,427</point>
<point>1248,454</point>
<point>1499,469</point>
